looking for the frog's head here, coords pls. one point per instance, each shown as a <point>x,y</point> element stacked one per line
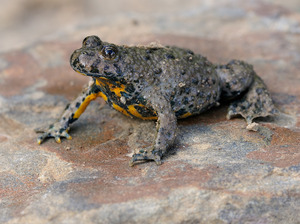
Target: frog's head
<point>95,57</point>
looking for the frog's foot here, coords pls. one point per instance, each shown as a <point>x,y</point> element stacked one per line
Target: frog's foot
<point>55,131</point>
<point>144,156</point>
<point>255,103</point>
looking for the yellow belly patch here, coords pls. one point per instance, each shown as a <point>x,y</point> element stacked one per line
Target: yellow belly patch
<point>117,89</point>
<point>113,88</point>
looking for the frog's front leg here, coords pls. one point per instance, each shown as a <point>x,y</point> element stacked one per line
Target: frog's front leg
<point>166,131</point>
<point>71,113</point>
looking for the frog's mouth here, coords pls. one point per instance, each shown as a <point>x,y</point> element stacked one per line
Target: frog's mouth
<point>85,62</point>
<point>105,75</point>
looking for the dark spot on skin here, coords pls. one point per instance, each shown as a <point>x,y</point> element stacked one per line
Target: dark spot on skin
<point>81,68</point>
<point>274,111</point>
<point>111,76</point>
<point>142,100</point>
<point>67,107</point>
<point>75,62</point>
<point>180,112</point>
<point>129,89</point>
<point>200,101</point>
<point>94,70</point>
<point>187,90</point>
<point>200,94</point>
<point>259,91</point>
<point>157,70</point>
<point>123,81</point>
<point>91,54</point>
<point>242,107</point>
<point>190,52</point>
<point>170,56</point>
<point>145,112</point>
<point>118,70</point>
<point>95,89</point>
<point>208,96</point>
<point>61,130</point>
<point>172,103</point>
<point>235,93</point>
<point>151,50</point>
<point>185,100</point>
<point>195,81</point>
<point>147,57</point>
<point>77,105</point>
<point>71,120</point>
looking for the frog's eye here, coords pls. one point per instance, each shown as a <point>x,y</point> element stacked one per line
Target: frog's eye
<point>109,52</point>
<point>91,41</point>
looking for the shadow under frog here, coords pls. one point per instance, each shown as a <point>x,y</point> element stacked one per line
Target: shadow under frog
<point>160,83</point>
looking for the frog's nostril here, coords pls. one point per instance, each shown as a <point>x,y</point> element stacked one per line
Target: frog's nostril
<point>91,42</point>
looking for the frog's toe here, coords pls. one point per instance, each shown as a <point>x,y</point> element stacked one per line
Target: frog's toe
<point>57,139</point>
<point>54,131</point>
<point>155,156</point>
<point>42,137</point>
<point>66,135</point>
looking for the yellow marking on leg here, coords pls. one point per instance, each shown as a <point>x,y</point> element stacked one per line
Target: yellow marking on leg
<point>103,96</point>
<point>134,112</point>
<point>120,109</point>
<point>85,103</point>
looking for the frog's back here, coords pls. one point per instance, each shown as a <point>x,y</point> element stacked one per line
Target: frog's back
<point>189,81</point>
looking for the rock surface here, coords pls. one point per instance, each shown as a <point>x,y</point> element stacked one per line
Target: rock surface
<point>217,172</point>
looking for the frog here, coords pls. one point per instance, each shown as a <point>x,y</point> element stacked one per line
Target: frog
<point>160,83</point>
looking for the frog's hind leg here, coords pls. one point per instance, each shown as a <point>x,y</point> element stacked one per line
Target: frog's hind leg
<point>239,79</point>
<point>255,103</point>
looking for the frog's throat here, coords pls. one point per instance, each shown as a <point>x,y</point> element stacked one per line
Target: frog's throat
<point>90,74</point>
<point>105,75</point>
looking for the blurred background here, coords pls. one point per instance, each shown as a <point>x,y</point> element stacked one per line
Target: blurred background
<point>23,22</point>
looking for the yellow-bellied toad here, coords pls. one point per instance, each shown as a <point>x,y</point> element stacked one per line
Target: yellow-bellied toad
<point>163,84</point>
